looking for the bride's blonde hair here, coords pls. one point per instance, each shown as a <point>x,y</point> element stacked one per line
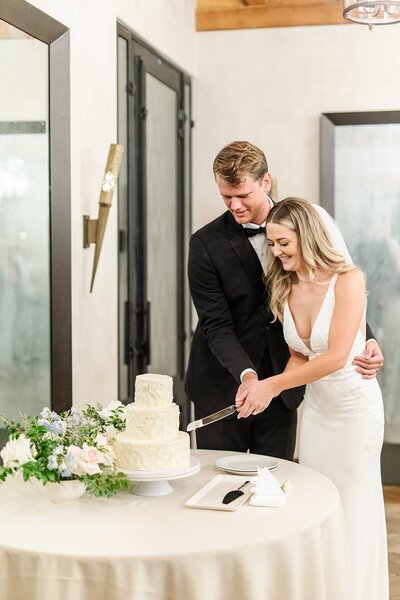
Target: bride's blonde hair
<point>316,248</point>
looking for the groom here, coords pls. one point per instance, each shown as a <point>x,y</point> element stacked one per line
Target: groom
<point>235,338</point>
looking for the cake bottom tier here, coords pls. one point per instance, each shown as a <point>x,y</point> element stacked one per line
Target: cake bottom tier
<point>146,455</point>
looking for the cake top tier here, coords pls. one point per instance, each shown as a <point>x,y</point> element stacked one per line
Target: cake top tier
<point>153,390</point>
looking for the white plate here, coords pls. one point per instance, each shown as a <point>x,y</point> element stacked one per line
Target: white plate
<point>210,495</point>
<point>246,464</point>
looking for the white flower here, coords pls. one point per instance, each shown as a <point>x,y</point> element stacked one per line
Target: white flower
<point>102,443</point>
<point>17,452</point>
<point>100,440</point>
<point>107,410</point>
<point>110,433</point>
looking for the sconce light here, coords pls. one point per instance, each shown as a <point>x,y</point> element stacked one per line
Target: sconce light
<point>372,12</point>
<point>93,229</point>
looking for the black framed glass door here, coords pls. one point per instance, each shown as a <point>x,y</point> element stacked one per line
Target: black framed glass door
<point>154,216</point>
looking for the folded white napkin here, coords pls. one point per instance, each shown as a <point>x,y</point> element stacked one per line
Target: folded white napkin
<point>267,491</point>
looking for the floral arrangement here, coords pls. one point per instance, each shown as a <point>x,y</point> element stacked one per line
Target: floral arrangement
<point>74,444</point>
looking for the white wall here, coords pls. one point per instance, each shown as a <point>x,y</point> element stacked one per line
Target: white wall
<point>270,86</point>
<point>169,27</point>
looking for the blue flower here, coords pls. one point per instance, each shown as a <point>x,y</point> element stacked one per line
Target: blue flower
<point>56,427</point>
<point>45,412</point>
<point>52,463</point>
<point>70,460</point>
<point>65,473</point>
<point>43,423</point>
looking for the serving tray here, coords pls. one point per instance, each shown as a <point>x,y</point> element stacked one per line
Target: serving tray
<point>210,496</point>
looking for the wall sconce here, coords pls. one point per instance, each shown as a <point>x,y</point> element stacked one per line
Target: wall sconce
<point>93,229</point>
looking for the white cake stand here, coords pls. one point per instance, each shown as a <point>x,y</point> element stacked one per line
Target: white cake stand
<point>156,483</point>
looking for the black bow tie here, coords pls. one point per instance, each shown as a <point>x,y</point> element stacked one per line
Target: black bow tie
<point>250,231</point>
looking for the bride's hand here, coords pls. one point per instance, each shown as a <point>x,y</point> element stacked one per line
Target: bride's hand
<point>255,396</point>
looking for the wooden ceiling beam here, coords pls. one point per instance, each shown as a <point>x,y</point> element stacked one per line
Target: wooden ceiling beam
<point>278,13</point>
<point>274,3</point>
<point>254,2</point>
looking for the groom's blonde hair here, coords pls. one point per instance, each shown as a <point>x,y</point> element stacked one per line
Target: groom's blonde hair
<point>316,248</point>
<point>239,159</point>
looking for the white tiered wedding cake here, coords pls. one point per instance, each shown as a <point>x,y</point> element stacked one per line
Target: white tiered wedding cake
<point>152,440</point>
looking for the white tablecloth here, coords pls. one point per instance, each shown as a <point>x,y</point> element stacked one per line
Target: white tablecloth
<point>154,548</point>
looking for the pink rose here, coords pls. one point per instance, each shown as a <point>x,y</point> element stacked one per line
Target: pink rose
<point>86,460</point>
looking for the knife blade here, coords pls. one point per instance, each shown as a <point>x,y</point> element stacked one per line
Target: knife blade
<point>220,414</point>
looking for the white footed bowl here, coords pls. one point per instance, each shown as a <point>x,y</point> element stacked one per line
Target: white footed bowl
<point>65,490</point>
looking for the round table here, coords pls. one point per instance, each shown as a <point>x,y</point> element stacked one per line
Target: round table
<point>154,548</point>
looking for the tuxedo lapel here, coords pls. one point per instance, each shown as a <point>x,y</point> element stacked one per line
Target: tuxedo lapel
<point>246,254</point>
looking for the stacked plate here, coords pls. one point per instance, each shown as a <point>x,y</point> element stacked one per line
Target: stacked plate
<point>246,464</point>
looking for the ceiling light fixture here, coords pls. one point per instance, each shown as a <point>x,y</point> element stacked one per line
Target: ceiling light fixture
<point>372,12</point>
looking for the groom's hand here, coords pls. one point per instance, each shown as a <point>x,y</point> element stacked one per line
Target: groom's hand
<point>371,361</point>
<point>243,390</point>
<point>255,396</point>
<point>241,393</point>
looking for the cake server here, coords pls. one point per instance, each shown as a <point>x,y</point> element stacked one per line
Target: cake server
<point>221,414</point>
<point>234,494</point>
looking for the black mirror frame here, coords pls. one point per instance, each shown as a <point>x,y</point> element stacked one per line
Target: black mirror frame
<point>41,26</point>
<point>327,145</point>
<point>390,459</point>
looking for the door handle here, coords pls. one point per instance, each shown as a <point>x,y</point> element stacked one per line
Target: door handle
<point>147,332</point>
<point>127,328</point>
<point>142,346</point>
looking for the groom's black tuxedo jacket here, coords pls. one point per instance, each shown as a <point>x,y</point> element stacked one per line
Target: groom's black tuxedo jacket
<point>234,331</point>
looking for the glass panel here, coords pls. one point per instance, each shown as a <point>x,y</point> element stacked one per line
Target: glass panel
<point>367,208</point>
<point>123,212</point>
<point>24,224</point>
<point>161,158</point>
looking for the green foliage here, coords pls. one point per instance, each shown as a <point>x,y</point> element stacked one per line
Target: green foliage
<point>4,473</point>
<point>105,485</point>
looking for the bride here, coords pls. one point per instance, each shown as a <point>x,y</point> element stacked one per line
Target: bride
<point>321,301</point>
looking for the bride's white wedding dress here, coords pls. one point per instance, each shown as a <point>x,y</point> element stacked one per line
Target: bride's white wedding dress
<point>341,436</point>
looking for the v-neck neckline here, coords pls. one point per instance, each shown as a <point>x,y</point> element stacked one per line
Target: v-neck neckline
<point>331,281</point>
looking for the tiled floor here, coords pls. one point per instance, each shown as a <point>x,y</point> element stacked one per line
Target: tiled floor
<point>392,507</point>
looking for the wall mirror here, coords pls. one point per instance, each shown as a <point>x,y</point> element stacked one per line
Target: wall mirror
<point>24,223</point>
<point>360,187</point>
<point>35,222</point>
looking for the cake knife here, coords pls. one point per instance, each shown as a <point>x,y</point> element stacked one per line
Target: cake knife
<point>221,414</point>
